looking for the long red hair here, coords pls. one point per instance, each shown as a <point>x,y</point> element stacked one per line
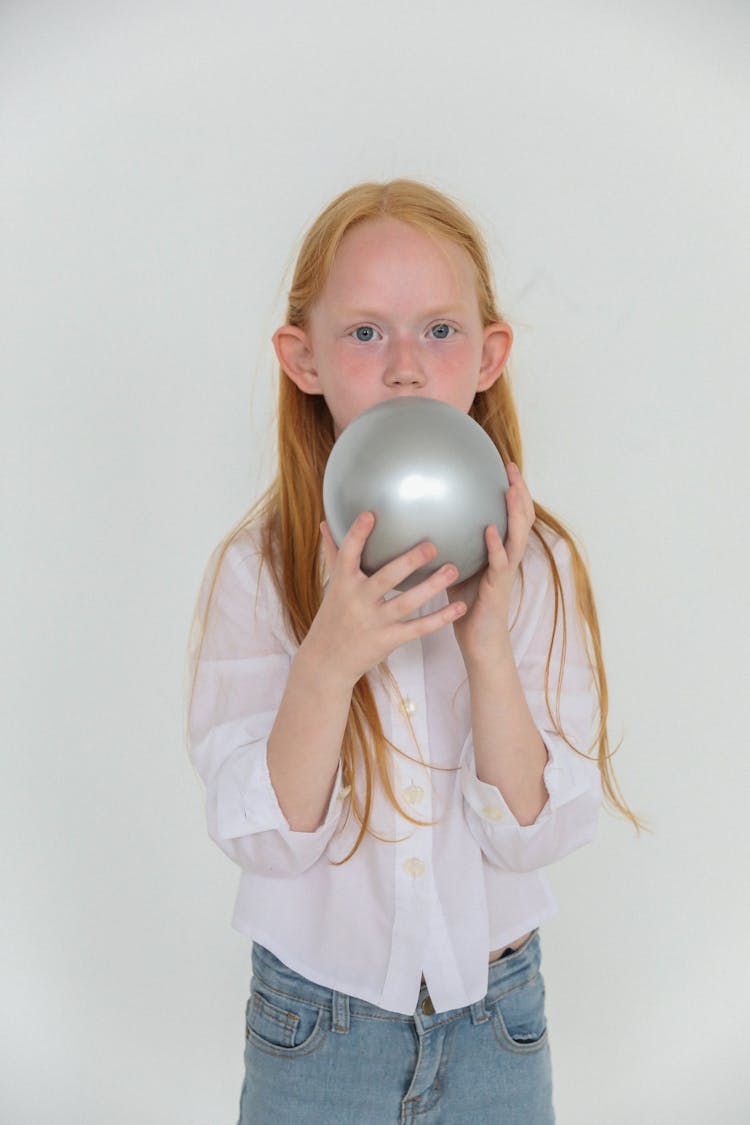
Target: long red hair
<point>290,511</point>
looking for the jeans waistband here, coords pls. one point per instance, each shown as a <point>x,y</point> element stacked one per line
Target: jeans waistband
<point>503,975</point>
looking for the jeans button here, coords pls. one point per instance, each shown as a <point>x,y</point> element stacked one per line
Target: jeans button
<point>428,1008</point>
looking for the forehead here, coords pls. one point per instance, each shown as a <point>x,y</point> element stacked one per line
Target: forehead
<point>390,251</point>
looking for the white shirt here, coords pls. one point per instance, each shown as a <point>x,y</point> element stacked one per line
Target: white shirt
<point>438,900</point>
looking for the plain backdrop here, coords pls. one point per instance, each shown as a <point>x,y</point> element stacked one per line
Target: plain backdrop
<point>160,164</point>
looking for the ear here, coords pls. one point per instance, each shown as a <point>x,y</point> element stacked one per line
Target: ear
<point>294,352</point>
<point>498,340</point>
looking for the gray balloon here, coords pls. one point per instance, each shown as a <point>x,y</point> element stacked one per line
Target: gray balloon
<point>427,471</point>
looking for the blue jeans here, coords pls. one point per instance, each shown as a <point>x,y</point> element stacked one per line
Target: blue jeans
<point>314,1056</point>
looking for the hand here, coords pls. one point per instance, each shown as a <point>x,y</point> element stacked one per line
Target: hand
<point>355,627</point>
<point>482,633</point>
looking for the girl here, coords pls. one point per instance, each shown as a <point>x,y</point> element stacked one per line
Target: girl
<point>391,771</point>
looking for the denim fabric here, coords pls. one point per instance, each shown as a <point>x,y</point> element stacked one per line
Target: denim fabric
<point>313,1055</point>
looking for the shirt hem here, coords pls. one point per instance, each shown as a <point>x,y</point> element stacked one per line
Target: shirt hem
<point>257,934</point>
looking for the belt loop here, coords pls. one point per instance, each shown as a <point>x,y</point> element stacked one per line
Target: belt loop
<point>340,1013</point>
<point>479,1012</point>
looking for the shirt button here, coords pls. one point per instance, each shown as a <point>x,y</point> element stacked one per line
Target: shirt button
<point>409,707</point>
<point>413,794</point>
<point>414,867</point>
<point>492,812</point>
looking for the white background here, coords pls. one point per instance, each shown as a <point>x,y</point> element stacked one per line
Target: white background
<point>161,162</point>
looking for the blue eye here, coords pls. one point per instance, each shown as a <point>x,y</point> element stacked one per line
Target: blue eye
<point>364,333</point>
<point>441,331</point>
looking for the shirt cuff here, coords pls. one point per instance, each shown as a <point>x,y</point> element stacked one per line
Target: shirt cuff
<point>563,779</point>
<point>333,812</point>
<point>245,819</point>
<point>247,801</point>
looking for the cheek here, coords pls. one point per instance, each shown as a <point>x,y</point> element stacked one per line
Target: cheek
<point>462,359</point>
<point>354,363</point>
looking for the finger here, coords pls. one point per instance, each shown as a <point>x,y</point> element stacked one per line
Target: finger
<point>394,572</point>
<point>518,529</point>
<point>422,626</point>
<point>353,544</point>
<point>403,606</point>
<point>518,486</point>
<point>329,547</point>
<point>494,541</point>
<point>498,553</point>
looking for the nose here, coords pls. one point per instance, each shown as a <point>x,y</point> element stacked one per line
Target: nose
<point>404,364</point>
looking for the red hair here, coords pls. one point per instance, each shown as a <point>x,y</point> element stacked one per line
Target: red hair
<point>290,511</point>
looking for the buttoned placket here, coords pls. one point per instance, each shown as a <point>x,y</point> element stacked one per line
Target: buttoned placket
<point>415,851</point>
<point>413,877</point>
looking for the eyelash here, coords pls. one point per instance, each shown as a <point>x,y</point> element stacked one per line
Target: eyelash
<point>442,324</point>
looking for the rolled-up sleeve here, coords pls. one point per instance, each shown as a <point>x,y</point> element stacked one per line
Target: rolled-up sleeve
<point>240,676</point>
<point>569,817</point>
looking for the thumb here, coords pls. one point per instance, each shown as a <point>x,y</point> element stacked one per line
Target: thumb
<point>330,548</point>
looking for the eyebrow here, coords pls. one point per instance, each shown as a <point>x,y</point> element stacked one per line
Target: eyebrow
<point>372,314</point>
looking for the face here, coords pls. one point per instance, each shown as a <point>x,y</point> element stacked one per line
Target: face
<point>399,315</point>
